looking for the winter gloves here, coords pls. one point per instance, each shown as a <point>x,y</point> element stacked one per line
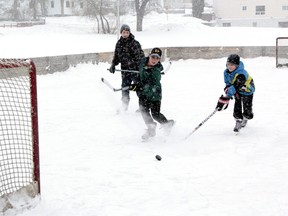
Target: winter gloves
<point>112,69</point>
<point>223,103</point>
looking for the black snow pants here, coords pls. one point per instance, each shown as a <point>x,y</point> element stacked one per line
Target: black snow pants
<point>243,107</point>
<point>154,106</point>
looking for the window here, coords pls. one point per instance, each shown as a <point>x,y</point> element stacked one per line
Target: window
<point>254,24</point>
<point>283,24</point>
<point>260,10</point>
<point>244,8</point>
<point>72,4</point>
<point>285,7</point>
<point>226,24</point>
<point>52,4</point>
<point>67,4</point>
<point>81,5</point>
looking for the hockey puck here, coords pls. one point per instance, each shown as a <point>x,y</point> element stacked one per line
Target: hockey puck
<point>158,157</point>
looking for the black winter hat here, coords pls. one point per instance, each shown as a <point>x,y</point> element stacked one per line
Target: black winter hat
<point>156,52</point>
<point>124,27</point>
<point>234,59</point>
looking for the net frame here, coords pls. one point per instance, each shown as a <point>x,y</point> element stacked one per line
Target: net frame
<point>21,132</point>
<point>281,52</point>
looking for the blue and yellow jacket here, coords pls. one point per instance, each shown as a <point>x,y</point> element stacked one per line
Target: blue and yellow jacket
<point>238,81</point>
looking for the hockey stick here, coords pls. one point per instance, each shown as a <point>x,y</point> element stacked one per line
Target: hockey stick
<point>201,124</point>
<point>129,71</point>
<point>134,71</point>
<point>111,87</point>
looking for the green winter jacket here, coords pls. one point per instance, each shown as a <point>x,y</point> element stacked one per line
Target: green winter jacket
<point>150,85</point>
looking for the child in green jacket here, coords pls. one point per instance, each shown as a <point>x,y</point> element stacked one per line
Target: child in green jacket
<point>150,93</point>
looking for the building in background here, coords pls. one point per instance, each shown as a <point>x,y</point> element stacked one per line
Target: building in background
<point>258,13</point>
<point>64,7</point>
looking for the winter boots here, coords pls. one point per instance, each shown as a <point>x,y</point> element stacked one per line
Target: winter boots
<point>240,123</point>
<point>150,132</point>
<point>169,124</point>
<point>125,103</point>
<point>168,127</point>
<point>244,122</point>
<point>237,125</point>
<point>124,107</point>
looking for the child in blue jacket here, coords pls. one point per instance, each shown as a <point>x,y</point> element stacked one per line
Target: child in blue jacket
<point>240,85</point>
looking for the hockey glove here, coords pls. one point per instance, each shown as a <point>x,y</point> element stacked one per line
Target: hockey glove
<point>133,87</point>
<point>223,103</point>
<point>112,69</point>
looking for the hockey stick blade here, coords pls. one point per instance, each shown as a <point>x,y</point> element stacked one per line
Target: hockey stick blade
<point>108,84</point>
<point>111,87</point>
<point>167,68</point>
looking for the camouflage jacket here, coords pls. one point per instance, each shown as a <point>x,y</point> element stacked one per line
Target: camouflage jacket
<point>128,52</point>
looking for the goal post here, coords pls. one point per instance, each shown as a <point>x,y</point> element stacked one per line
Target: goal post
<point>19,142</point>
<point>281,51</point>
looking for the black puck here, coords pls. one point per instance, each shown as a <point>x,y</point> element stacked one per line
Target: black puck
<point>158,157</point>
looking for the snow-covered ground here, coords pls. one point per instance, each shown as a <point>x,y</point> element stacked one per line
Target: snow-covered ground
<point>93,162</point>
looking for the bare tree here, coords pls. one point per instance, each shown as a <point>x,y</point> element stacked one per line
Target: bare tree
<point>140,12</point>
<point>97,9</point>
<point>105,26</point>
<point>21,10</point>
<point>16,15</point>
<point>33,7</point>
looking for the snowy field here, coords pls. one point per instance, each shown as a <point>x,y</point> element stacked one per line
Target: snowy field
<point>93,162</point>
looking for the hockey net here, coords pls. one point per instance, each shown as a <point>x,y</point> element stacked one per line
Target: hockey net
<point>19,151</point>
<point>281,51</point>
